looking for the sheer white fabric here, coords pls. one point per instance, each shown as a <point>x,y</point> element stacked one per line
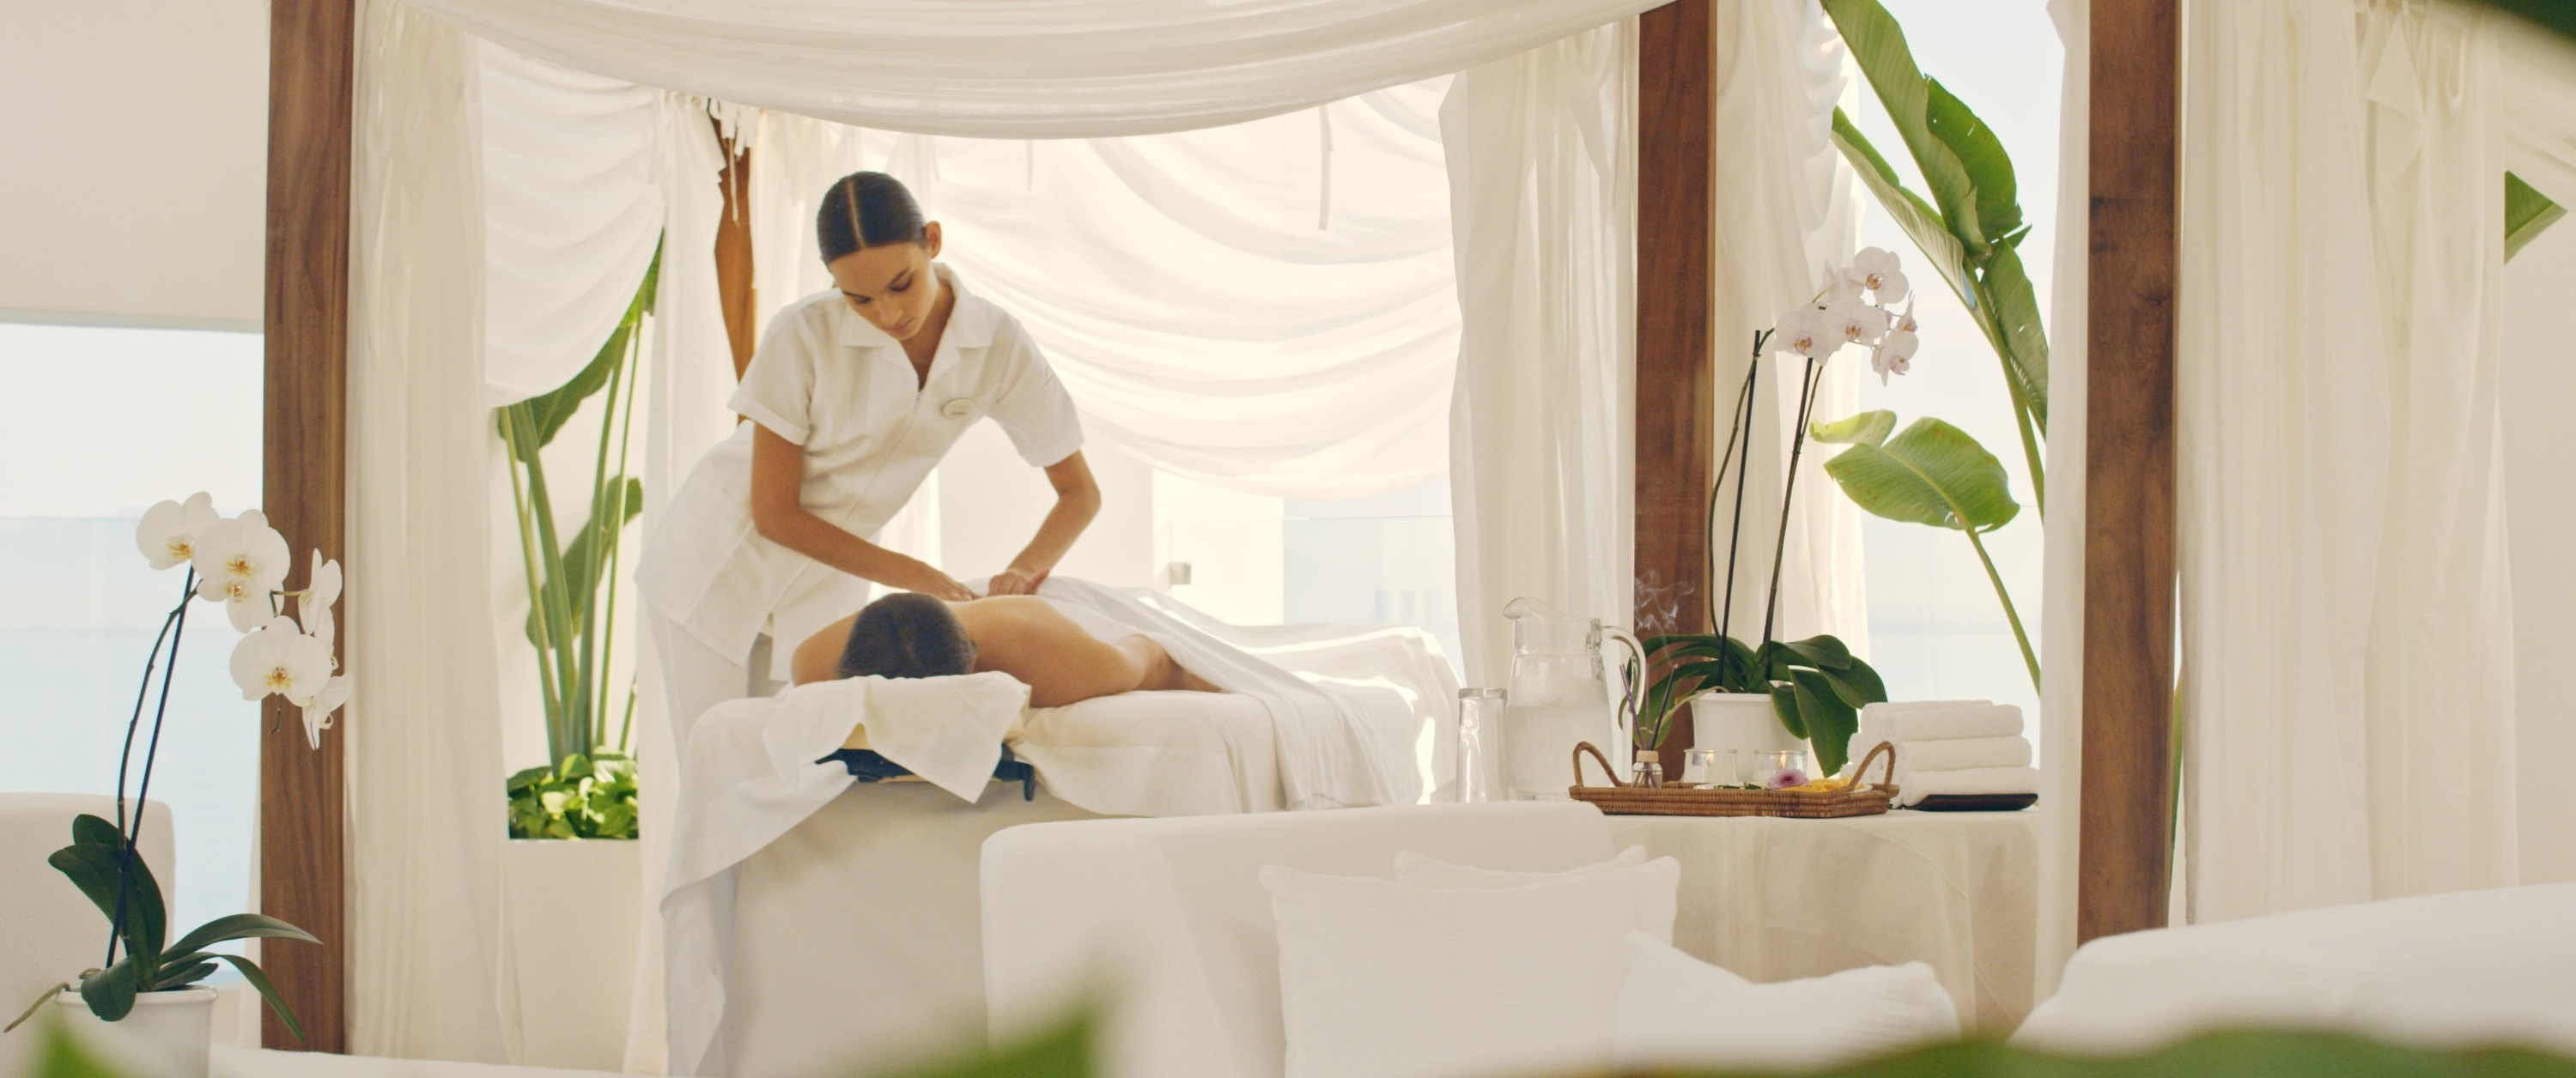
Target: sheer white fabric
<point>2061,701</point>
<point>1267,306</point>
<point>424,752</point>
<point>2346,623</point>
<point>571,213</point>
<point>1785,214</point>
<point>1542,186</point>
<point>2537,108</point>
<point>1028,68</point>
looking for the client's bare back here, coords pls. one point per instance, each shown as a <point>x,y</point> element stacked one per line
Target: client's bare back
<point>1028,638</point>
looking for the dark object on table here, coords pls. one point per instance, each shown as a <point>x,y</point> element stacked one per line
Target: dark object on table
<point>1974,802</point>
<point>866,766</point>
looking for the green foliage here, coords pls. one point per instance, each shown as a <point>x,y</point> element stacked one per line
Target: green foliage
<point>582,797</point>
<point>1817,686</point>
<point>571,594</point>
<point>1971,228</point>
<point>2527,213</point>
<point>111,872</point>
<point>1934,474</point>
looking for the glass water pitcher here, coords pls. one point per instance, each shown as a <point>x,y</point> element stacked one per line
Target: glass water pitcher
<point>1559,697</point>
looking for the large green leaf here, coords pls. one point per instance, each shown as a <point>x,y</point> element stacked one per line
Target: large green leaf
<point>1989,168</point>
<point>1878,46</point>
<point>94,869</point>
<point>585,561</point>
<point>2025,341</point>
<point>1829,721</point>
<point>1921,222</point>
<point>2527,213</point>
<point>91,830</point>
<point>1866,428</point>
<point>239,926</point>
<point>1932,473</point>
<point>110,992</point>
<point>251,972</point>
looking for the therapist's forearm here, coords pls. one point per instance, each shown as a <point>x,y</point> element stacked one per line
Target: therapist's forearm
<point>1074,511</point>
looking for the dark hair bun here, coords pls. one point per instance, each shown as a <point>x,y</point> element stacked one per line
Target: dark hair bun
<point>862,210</point>
<point>907,635</point>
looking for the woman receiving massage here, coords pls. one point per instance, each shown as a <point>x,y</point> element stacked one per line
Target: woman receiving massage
<point>853,397</point>
<point>910,635</point>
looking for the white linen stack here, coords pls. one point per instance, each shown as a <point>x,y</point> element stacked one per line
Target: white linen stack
<point>1950,747</point>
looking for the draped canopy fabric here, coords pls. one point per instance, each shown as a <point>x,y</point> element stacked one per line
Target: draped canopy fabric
<point>1029,68</point>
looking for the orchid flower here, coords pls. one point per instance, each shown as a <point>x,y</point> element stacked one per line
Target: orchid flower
<point>313,604</point>
<point>1805,331</point>
<point>318,709</point>
<point>169,531</point>
<point>1856,323</point>
<point>277,659</point>
<point>1876,269</point>
<point>1895,354</point>
<point>240,563</point>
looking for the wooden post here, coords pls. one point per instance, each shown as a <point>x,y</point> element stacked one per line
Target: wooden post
<point>734,292</point>
<point>1676,394</point>
<point>302,867</point>
<point>2123,869</point>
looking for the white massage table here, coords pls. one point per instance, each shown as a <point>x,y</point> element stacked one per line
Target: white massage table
<point>857,935</point>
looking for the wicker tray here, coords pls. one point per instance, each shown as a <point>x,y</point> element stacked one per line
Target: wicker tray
<point>1621,799</point>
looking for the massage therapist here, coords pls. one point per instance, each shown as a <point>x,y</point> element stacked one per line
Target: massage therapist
<point>854,396</point>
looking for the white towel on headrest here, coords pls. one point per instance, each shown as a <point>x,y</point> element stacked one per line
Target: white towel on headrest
<point>1976,780</point>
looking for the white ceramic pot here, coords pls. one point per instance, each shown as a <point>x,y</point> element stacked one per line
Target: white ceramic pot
<point>167,1032</point>
<point>574,904</point>
<point>1741,721</point>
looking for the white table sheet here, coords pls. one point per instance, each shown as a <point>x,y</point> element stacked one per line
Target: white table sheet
<point>1778,899</point>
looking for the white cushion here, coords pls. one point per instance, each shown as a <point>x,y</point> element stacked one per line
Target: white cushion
<point>1172,915</point>
<point>1383,980</point>
<point>1416,870</point>
<point>1677,1012</point>
<point>2465,968</point>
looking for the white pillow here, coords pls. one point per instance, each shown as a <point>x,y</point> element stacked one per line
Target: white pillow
<point>1677,1012</point>
<point>1381,980</point>
<point>1414,870</point>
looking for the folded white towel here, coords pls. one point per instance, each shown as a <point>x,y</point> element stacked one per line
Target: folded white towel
<point>1962,753</point>
<point>1976,780</point>
<point>1942,722</point>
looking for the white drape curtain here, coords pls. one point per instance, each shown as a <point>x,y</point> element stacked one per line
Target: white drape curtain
<point>2061,701</point>
<point>424,754</point>
<point>2347,698</point>
<point>1542,187</point>
<point>1267,306</point>
<point>1028,69</point>
<point>1785,215</point>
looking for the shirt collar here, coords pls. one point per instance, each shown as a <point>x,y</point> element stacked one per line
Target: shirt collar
<point>970,322</point>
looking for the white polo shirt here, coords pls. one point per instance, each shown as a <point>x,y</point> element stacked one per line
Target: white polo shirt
<point>826,379</point>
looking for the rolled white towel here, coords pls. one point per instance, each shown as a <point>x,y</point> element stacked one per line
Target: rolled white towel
<point>1960,754</point>
<point>1975,780</point>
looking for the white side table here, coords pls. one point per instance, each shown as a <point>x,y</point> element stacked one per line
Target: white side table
<point>1778,899</point>
<point>263,1063</point>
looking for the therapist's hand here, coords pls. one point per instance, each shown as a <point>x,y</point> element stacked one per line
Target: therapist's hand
<point>1017,581</point>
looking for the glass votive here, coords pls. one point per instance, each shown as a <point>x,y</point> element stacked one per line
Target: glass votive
<point>1696,764</point>
<point>1778,769</point>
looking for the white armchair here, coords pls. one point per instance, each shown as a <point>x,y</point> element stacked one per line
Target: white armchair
<point>1166,920</point>
<point>49,931</point>
<point>2467,968</point>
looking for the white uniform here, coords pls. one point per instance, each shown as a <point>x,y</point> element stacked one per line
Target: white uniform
<point>828,380</point>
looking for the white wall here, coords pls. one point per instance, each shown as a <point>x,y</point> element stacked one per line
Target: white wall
<point>137,135</point>
<point>2540,475</point>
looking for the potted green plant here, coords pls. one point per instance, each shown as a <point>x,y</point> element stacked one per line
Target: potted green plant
<point>150,983</point>
<point>574,904</point>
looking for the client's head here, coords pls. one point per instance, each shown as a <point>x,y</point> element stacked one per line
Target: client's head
<point>907,634</point>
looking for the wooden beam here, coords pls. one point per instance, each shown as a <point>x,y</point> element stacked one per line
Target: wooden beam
<point>1676,391</point>
<point>302,867</point>
<point>2123,868</point>
<point>734,291</point>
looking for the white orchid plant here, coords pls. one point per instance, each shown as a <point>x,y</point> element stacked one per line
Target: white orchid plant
<point>1856,308</point>
<point>242,563</point>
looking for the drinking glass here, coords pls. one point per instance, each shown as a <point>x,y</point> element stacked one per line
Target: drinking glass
<point>1480,744</point>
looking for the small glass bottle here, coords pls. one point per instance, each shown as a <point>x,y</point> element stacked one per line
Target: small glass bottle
<point>1480,744</point>
<point>1649,771</point>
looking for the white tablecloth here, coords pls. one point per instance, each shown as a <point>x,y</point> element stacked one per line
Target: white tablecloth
<point>261,1063</point>
<point>1778,899</point>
